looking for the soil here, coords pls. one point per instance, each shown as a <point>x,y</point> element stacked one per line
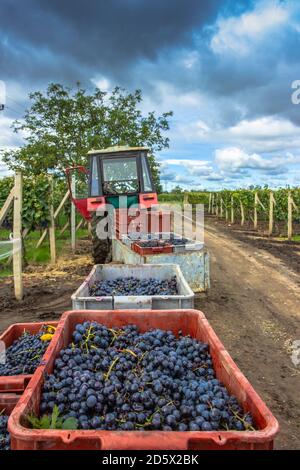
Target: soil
<point>253,305</point>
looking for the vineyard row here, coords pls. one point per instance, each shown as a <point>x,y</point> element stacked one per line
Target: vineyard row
<point>274,208</point>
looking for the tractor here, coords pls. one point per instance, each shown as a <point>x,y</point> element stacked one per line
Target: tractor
<point>113,173</point>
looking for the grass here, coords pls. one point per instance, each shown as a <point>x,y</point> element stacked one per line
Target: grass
<point>295,238</point>
<point>35,255</point>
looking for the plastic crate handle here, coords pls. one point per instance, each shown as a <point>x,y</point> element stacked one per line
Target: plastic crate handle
<point>145,441</point>
<point>157,249</point>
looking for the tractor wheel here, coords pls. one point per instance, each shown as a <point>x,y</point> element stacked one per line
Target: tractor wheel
<point>102,248</point>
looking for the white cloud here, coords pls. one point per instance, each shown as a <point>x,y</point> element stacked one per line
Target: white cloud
<point>102,83</point>
<point>234,159</point>
<point>4,171</point>
<point>8,138</point>
<point>166,96</point>
<point>266,134</point>
<point>188,166</point>
<point>190,60</point>
<point>6,133</point>
<point>186,162</point>
<point>215,176</point>
<point>263,128</point>
<point>237,34</point>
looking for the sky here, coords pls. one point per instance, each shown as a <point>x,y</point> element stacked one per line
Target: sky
<point>229,70</point>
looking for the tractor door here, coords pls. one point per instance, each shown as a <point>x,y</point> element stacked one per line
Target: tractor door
<point>78,182</point>
<point>119,176</point>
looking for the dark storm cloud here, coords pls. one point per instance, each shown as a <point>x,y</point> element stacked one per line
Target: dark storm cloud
<point>260,82</point>
<point>240,85</point>
<point>72,39</point>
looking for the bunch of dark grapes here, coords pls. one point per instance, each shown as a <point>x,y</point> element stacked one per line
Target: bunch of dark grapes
<point>162,242</point>
<point>152,243</point>
<point>4,434</point>
<point>177,241</point>
<point>134,286</point>
<point>157,240</point>
<point>24,355</point>
<point>120,379</point>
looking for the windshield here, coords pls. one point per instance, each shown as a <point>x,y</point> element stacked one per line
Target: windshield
<point>120,175</point>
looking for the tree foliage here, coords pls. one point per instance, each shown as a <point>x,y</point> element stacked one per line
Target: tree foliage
<point>63,124</point>
<point>36,200</point>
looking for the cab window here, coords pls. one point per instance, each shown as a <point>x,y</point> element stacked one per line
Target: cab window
<point>146,175</point>
<point>120,175</point>
<point>95,177</point>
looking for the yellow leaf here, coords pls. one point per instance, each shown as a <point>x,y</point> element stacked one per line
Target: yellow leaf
<point>46,337</point>
<point>50,329</point>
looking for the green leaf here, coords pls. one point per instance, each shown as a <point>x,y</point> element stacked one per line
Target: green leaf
<point>45,422</point>
<point>70,423</point>
<point>34,421</point>
<point>54,417</point>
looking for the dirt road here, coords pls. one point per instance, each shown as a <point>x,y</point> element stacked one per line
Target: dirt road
<point>254,307</point>
<point>47,289</point>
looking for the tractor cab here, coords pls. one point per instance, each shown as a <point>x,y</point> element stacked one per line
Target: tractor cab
<point>113,173</point>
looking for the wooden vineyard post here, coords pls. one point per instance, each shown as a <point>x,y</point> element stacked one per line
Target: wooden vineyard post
<point>185,198</point>
<point>217,206</point>
<point>221,207</point>
<point>242,214</point>
<point>226,210</point>
<point>17,234</point>
<point>52,226</point>
<point>213,204</point>
<point>56,213</point>
<point>73,216</point>
<point>232,211</point>
<point>226,214</point>
<point>271,212</point>
<point>290,217</point>
<point>255,211</point>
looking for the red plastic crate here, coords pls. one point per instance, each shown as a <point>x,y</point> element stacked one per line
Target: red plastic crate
<point>8,401</point>
<point>154,250</point>
<point>18,383</point>
<point>190,322</point>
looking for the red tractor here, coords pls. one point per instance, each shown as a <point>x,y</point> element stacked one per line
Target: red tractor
<point>113,173</point>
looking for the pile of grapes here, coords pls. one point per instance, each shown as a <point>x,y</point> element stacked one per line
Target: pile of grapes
<point>134,286</point>
<point>4,434</point>
<point>121,379</point>
<point>24,355</point>
<point>162,242</point>
<point>152,243</point>
<point>156,240</point>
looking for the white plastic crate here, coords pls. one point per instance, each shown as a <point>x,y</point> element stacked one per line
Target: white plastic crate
<point>135,236</point>
<point>81,300</point>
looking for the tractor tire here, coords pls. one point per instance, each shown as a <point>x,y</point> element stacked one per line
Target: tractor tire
<point>102,248</point>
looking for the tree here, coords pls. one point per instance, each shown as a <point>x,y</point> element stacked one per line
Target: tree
<point>62,125</point>
<point>177,190</point>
